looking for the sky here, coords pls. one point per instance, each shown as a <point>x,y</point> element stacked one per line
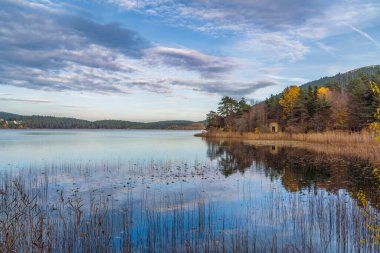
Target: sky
<point>153,60</point>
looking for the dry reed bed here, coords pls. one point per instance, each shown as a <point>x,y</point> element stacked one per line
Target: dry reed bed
<point>362,145</point>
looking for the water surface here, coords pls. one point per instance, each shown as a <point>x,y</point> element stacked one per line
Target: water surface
<point>25,147</point>
<point>186,193</point>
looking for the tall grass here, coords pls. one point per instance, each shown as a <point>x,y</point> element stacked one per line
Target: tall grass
<point>35,217</point>
<point>322,138</point>
<point>361,144</point>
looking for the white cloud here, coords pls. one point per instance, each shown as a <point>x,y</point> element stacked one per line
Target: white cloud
<point>188,59</point>
<point>225,87</point>
<point>297,80</point>
<point>334,19</point>
<point>275,46</point>
<point>26,100</point>
<point>328,49</point>
<point>62,52</point>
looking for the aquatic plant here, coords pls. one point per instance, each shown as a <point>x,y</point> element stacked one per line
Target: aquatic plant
<point>39,215</point>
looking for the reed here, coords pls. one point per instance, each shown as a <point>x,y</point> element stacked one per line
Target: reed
<point>360,144</point>
<point>33,219</point>
<point>363,137</point>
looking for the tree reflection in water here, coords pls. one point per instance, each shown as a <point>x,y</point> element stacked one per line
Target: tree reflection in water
<point>297,168</point>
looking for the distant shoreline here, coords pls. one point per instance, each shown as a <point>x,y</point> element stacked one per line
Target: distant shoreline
<point>96,129</point>
<point>15,121</point>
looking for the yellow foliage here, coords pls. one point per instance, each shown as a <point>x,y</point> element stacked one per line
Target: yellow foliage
<point>362,198</point>
<point>375,126</point>
<point>288,99</point>
<point>374,229</point>
<point>375,88</point>
<point>323,92</point>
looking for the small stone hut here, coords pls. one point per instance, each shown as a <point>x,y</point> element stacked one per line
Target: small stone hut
<point>274,127</point>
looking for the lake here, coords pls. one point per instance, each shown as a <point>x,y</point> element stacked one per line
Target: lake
<point>168,191</point>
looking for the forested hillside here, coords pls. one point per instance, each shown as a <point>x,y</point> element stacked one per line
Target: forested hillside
<point>48,122</point>
<point>343,79</point>
<point>343,102</point>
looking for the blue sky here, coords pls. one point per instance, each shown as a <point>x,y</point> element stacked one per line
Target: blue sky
<point>160,60</point>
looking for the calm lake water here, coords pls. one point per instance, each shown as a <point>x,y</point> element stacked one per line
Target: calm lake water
<point>187,194</point>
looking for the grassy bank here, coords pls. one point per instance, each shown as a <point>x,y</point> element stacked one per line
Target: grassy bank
<point>361,144</point>
<point>323,138</point>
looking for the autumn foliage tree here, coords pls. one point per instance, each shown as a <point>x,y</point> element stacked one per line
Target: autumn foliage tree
<point>288,100</point>
<point>374,227</point>
<point>324,93</point>
<point>375,125</point>
<point>339,110</point>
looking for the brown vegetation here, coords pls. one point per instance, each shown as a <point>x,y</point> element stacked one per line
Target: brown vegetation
<point>361,144</point>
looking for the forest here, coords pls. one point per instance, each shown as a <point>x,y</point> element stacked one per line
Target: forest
<point>344,102</point>
<point>7,120</point>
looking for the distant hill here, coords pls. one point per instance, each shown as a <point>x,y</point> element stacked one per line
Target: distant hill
<point>342,79</point>
<point>49,122</point>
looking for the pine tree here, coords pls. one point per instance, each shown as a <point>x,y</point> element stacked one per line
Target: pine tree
<point>362,103</point>
<point>227,106</point>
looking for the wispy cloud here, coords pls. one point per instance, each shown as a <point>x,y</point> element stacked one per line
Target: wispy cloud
<point>206,65</point>
<point>32,101</point>
<point>46,50</point>
<point>49,48</point>
<point>365,35</point>
<point>75,106</point>
<point>328,49</point>
<point>228,14</point>
<point>296,80</point>
<point>52,50</point>
<point>275,46</point>
<point>282,27</point>
<point>334,19</point>
<point>236,89</point>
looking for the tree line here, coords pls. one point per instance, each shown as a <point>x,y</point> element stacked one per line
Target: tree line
<point>49,122</point>
<point>349,106</point>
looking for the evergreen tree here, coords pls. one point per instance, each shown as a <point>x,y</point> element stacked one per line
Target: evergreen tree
<point>243,106</point>
<point>213,120</point>
<point>227,106</point>
<point>273,108</point>
<point>362,103</point>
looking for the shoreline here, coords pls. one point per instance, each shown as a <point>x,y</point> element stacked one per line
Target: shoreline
<point>96,129</point>
<point>324,137</point>
<point>361,145</point>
